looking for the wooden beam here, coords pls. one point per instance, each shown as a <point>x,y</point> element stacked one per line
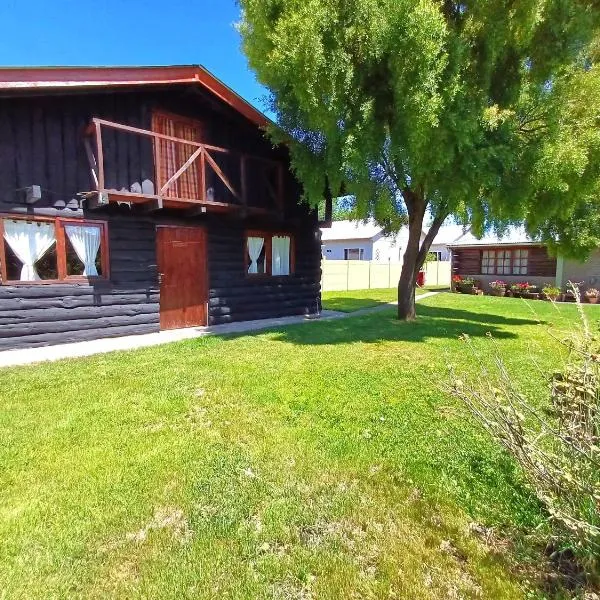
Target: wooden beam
<point>202,178</point>
<point>99,200</point>
<point>91,159</point>
<point>220,174</point>
<point>100,156</point>
<point>181,169</point>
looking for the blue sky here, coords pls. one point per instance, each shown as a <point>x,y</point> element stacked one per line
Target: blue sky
<point>128,32</point>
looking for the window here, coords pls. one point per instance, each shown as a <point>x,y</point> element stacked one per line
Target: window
<point>268,254</point>
<point>520,258</point>
<point>503,262</point>
<point>38,250</point>
<point>174,154</point>
<point>488,262</point>
<point>435,255</point>
<point>354,253</point>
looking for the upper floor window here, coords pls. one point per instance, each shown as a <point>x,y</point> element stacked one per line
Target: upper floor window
<point>171,156</point>
<point>268,254</point>
<point>37,250</point>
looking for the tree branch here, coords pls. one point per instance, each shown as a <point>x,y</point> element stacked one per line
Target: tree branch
<point>439,218</point>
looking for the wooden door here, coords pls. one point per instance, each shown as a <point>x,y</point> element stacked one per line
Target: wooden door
<point>182,269</point>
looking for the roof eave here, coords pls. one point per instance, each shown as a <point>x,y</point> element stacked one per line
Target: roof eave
<point>42,78</point>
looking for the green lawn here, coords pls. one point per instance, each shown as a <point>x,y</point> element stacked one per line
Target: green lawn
<point>353,300</point>
<point>321,460</point>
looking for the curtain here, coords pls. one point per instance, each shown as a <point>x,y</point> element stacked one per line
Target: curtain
<point>189,182</point>
<point>86,243</point>
<point>173,155</point>
<point>281,255</point>
<point>255,246</point>
<point>29,241</point>
<point>168,152</point>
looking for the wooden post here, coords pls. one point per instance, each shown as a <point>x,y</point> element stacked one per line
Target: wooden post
<point>100,154</point>
<point>202,177</point>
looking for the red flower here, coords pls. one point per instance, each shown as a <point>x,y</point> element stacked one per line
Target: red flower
<point>456,278</point>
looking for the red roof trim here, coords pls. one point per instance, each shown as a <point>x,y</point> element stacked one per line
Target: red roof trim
<point>15,78</point>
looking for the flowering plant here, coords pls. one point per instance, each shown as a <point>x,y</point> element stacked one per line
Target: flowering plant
<point>498,285</point>
<point>456,278</point>
<point>592,293</point>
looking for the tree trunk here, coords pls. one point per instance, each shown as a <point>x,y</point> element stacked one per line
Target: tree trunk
<point>408,276</point>
<point>415,253</point>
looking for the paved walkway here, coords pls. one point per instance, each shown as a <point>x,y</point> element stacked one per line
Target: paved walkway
<point>10,358</point>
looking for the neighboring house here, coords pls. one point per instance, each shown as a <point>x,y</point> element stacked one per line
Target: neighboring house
<point>515,258</point>
<point>139,199</point>
<point>357,240</point>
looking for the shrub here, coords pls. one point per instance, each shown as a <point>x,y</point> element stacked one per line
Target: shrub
<point>556,446</point>
<point>551,291</point>
<point>498,285</point>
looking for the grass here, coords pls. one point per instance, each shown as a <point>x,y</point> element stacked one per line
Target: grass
<point>319,460</point>
<point>353,300</point>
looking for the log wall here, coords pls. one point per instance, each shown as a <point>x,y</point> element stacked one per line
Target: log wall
<point>42,136</point>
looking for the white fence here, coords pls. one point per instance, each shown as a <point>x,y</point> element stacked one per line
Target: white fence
<point>339,275</point>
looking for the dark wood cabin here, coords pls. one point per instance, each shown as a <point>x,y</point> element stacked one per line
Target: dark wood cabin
<point>139,199</point>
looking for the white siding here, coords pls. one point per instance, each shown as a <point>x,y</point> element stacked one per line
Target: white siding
<point>334,250</point>
<point>587,273</point>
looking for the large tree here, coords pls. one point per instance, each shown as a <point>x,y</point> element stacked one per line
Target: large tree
<point>487,110</point>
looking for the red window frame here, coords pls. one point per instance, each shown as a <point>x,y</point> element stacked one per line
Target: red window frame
<point>61,250</point>
<point>268,238</point>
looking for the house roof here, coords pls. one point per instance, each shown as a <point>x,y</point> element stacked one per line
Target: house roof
<point>359,230</point>
<point>43,78</point>
<point>514,236</point>
<point>350,230</point>
<point>449,234</point>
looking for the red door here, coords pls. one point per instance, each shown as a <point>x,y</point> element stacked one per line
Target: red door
<point>182,272</point>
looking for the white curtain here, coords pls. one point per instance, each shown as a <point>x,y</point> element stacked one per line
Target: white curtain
<point>29,241</point>
<point>281,255</point>
<point>255,246</point>
<point>86,243</point>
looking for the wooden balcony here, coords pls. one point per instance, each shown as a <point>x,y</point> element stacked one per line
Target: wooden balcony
<point>184,174</point>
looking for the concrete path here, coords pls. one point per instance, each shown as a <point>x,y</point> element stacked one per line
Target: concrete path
<point>27,356</point>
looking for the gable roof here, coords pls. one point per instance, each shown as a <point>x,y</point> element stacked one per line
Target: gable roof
<point>514,236</point>
<point>46,78</point>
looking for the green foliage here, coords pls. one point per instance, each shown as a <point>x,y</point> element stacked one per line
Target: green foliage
<point>486,112</point>
<point>557,445</point>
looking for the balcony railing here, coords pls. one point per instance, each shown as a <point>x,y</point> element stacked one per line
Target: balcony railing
<point>185,174</point>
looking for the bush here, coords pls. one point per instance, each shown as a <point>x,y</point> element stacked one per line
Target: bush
<point>558,445</point>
